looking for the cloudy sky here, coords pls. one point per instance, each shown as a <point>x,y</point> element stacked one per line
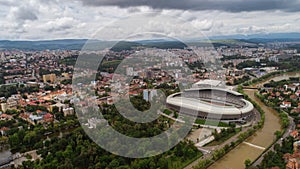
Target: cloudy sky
<point>64,19</point>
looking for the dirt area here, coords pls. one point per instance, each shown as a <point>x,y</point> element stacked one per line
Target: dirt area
<point>22,157</point>
<point>200,133</point>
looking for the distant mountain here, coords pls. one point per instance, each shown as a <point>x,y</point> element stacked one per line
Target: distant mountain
<point>67,44</point>
<point>271,36</point>
<point>78,44</point>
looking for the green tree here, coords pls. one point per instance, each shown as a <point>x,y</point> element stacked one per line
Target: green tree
<point>247,163</point>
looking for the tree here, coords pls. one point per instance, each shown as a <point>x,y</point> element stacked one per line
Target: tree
<point>30,138</point>
<point>14,140</point>
<point>277,134</point>
<point>247,163</point>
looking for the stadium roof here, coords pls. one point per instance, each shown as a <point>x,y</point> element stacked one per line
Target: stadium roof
<point>215,88</point>
<point>209,82</point>
<point>199,105</point>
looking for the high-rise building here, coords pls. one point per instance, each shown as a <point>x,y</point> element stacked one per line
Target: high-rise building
<point>148,94</point>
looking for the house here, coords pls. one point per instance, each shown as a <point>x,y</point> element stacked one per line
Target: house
<point>296,110</point>
<point>24,116</point>
<point>292,163</point>
<point>40,112</point>
<point>286,104</point>
<point>292,160</point>
<point>277,94</point>
<point>3,130</point>
<point>48,118</point>
<point>292,87</point>
<point>5,117</point>
<point>35,118</point>
<point>293,97</point>
<point>294,134</point>
<point>298,93</point>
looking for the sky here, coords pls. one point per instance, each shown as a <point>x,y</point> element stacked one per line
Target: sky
<point>118,19</point>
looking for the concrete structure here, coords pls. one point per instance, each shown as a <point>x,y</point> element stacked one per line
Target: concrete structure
<point>211,103</point>
<point>4,107</point>
<point>49,78</point>
<point>60,106</point>
<point>68,111</point>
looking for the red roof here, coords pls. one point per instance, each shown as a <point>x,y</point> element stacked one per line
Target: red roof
<point>32,103</point>
<point>23,115</point>
<point>285,102</point>
<point>48,116</point>
<point>4,129</point>
<point>294,133</point>
<point>39,111</point>
<point>6,116</point>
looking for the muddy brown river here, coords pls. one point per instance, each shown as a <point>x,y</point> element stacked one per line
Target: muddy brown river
<point>261,139</point>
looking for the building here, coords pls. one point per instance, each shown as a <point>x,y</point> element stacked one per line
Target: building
<point>11,103</point>
<point>59,105</point>
<point>209,83</point>
<point>68,111</point>
<point>148,94</point>
<point>212,103</point>
<point>286,104</point>
<point>93,122</point>
<point>293,160</point>
<point>4,107</point>
<point>129,71</point>
<point>49,78</point>
<point>35,118</point>
<point>3,130</point>
<point>4,116</point>
<point>48,118</point>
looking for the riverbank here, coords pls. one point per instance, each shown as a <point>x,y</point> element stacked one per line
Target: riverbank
<point>262,138</point>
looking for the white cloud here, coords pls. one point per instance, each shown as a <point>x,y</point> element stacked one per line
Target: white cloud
<point>41,19</point>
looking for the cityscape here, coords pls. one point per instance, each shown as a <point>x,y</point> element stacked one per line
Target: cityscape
<point>164,86</point>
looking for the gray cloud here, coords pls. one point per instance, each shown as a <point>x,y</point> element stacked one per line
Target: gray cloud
<point>23,14</point>
<point>222,5</point>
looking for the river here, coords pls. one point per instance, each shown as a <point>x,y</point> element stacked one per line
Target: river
<point>279,77</point>
<point>262,138</point>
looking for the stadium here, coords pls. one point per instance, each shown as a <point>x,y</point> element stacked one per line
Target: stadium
<point>212,103</point>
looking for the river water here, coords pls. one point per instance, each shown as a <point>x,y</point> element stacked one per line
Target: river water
<point>284,76</point>
<point>263,138</point>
